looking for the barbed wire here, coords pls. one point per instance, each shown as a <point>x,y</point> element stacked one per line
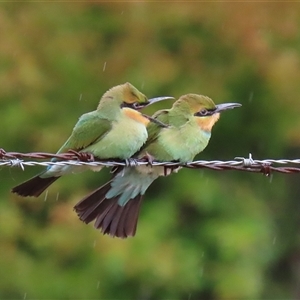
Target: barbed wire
<point>266,166</point>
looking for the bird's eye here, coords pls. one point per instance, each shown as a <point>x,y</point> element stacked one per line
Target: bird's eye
<point>135,105</point>
<point>203,112</point>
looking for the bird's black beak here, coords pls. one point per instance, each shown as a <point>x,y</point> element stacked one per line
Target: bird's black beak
<point>225,106</point>
<point>158,99</point>
<point>159,123</point>
<point>151,101</point>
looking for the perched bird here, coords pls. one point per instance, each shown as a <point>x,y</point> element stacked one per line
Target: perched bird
<point>115,130</point>
<point>115,205</point>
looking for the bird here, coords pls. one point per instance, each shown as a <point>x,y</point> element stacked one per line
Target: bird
<point>115,130</point>
<point>115,205</point>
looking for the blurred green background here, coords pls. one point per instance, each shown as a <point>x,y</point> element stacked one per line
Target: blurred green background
<point>202,234</point>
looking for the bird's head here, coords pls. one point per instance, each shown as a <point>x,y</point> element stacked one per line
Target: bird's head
<point>133,98</point>
<point>203,109</point>
<point>126,95</point>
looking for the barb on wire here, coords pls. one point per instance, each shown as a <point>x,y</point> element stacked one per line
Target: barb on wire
<point>266,166</point>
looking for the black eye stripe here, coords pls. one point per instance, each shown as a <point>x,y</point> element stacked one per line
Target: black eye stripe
<point>134,105</point>
<point>205,112</point>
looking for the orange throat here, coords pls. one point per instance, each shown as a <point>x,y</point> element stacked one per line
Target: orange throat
<point>135,115</point>
<point>206,123</point>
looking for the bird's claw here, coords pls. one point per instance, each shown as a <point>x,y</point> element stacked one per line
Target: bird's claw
<point>83,156</point>
<point>169,170</point>
<point>148,158</point>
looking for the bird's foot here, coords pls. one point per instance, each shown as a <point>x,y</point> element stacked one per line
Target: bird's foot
<point>83,156</point>
<point>148,158</point>
<point>170,169</point>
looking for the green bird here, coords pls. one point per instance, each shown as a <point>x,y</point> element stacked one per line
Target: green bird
<point>115,205</point>
<point>115,130</point>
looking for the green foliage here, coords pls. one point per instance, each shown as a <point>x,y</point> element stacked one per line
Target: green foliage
<point>201,234</point>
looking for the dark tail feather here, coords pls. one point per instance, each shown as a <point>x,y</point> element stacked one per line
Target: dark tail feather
<point>110,217</point>
<point>34,186</point>
<point>87,208</point>
<point>119,221</point>
<point>128,221</point>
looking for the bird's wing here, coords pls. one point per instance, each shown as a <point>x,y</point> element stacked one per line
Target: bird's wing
<point>90,128</point>
<point>153,129</point>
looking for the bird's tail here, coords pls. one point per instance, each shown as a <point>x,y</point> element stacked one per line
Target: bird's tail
<point>34,186</point>
<point>109,216</point>
<point>115,205</point>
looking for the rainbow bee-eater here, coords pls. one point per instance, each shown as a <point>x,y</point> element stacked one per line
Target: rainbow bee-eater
<point>115,206</point>
<point>115,130</point>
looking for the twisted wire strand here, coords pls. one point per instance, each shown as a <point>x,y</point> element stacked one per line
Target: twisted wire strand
<point>265,166</point>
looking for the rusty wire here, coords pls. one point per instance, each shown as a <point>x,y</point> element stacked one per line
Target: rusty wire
<point>266,166</point>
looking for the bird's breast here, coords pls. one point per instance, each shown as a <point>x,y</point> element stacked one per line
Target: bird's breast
<point>125,138</point>
<point>185,142</point>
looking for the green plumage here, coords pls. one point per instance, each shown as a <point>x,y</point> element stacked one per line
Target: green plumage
<point>110,132</point>
<point>90,128</point>
<point>181,141</point>
<point>189,129</point>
